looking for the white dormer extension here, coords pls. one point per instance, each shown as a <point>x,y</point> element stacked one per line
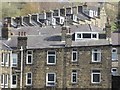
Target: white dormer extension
<point>86,36</point>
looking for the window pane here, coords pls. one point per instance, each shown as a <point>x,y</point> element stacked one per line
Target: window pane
<point>114,56</point>
<point>87,35</point>
<point>2,78</point>
<point>74,56</point>
<point>29,75</point>
<point>50,77</point>
<point>29,59</point>
<point>94,35</point>
<point>74,77</point>
<point>78,35</point>
<point>95,57</point>
<point>6,78</point>
<point>14,79</point>
<point>96,77</point>
<point>29,81</point>
<point>51,59</point>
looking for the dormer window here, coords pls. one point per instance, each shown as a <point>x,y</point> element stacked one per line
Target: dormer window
<point>86,35</point>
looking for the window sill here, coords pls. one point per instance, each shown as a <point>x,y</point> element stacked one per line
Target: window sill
<point>95,62</point>
<point>96,84</point>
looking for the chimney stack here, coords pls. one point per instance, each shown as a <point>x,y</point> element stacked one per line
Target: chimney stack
<point>75,10</point>
<point>66,36</point>
<point>108,30</point>
<point>5,29</point>
<point>22,40</point>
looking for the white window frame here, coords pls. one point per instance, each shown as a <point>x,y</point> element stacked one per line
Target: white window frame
<point>2,80</point>
<point>74,51</point>
<point>74,73</point>
<point>114,73</point>
<point>50,81</point>
<point>29,55</point>
<point>98,52</point>
<point>114,53</point>
<point>16,56</point>
<point>51,55</point>
<point>92,77</point>
<point>28,78</point>
<point>76,35</point>
<point>3,63</point>
<point>6,78</point>
<point>12,85</point>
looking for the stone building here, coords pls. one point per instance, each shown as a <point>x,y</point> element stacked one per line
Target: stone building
<point>61,57</point>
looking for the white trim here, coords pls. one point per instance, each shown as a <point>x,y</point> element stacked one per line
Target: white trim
<point>2,61</point>
<point>114,73</point>
<point>72,77</point>
<point>51,55</point>
<point>47,82</point>
<point>6,78</point>
<point>13,86</point>
<point>114,53</point>
<point>98,52</point>
<point>31,55</point>
<point>91,33</point>
<point>92,78</point>
<point>2,84</point>
<point>28,78</point>
<point>76,56</point>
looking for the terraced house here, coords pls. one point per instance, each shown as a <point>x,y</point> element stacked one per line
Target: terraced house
<point>46,52</point>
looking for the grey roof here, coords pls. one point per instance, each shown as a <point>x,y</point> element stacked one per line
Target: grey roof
<point>49,37</point>
<point>82,16</point>
<point>115,38</point>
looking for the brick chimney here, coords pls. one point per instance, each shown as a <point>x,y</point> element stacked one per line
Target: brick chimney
<point>5,30</point>
<point>22,40</point>
<point>66,36</point>
<point>75,10</point>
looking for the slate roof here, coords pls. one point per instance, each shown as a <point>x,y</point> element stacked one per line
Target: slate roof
<point>49,37</point>
<point>115,36</point>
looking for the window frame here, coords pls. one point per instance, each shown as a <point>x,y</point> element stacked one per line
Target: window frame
<point>28,56</point>
<point>15,64</point>
<point>74,51</point>
<point>98,52</point>
<point>12,85</point>
<point>2,80</point>
<point>115,73</point>
<point>50,81</point>
<point>6,78</point>
<point>28,78</point>
<point>76,73</point>
<point>3,61</point>
<point>114,53</point>
<point>92,74</point>
<point>48,63</point>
